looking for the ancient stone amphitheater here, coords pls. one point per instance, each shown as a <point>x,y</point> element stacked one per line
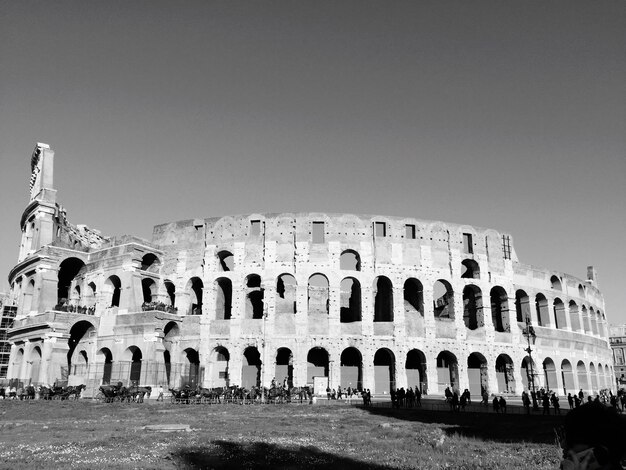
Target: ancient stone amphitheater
<point>333,300</point>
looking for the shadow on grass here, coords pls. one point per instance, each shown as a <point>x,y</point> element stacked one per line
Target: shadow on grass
<point>258,455</point>
<point>485,426</point>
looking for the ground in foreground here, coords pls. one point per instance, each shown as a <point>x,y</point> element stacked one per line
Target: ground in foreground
<point>91,435</point>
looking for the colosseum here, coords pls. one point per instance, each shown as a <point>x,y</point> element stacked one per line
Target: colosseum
<point>319,299</point>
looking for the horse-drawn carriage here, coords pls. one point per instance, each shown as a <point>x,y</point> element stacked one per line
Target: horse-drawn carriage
<point>57,392</point>
<point>118,392</point>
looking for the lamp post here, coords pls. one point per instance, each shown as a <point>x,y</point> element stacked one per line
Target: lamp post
<point>531,337</point>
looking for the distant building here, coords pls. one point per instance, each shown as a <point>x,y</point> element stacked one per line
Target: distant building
<point>617,338</point>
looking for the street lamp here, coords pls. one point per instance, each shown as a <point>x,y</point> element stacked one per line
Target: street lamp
<point>531,337</point>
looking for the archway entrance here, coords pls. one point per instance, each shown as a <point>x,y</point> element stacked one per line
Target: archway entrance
<point>317,365</point>
<point>447,370</point>
<point>191,376</point>
<point>220,360</point>
<point>477,374</point>
<point>284,366</point>
<point>251,368</point>
<point>105,358</point>
<point>504,374</point>
<point>416,370</point>
<point>351,369</point>
<point>384,371</point>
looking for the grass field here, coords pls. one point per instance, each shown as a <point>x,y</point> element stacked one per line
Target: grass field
<point>91,435</point>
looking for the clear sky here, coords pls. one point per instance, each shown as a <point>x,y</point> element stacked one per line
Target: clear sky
<point>510,115</point>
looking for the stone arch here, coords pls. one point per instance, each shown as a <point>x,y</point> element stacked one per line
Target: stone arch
<point>560,315</point>
<point>135,356</point>
<point>473,316</point>
<point>447,370</point>
<point>470,269</point>
<point>574,316</point>
<point>581,372</point>
<point>549,372</point>
<point>522,306</point>
<point>443,300</point>
<point>284,366</point>
<point>543,313</point>
<point>254,297</point>
<point>350,260</point>
<point>18,363</point>
<point>29,292</point>
<point>191,372</point>
<point>225,261</point>
<point>318,294</point>
<point>383,299</point>
<point>104,361</point>
<point>555,283</point>
<point>90,294</point>
<point>416,370</point>
<point>350,308</point>
<point>220,360</point>
<point>149,290</point>
<point>581,291</point>
<point>79,332</point>
<point>500,309</point>
<point>567,374</point>
<point>223,298</point>
<point>505,374</point>
<point>594,378</point>
<point>150,262</point>
<point>35,366</point>
<point>171,335</point>
<point>585,316</point>
<point>593,321</point>
<point>170,289</point>
<point>351,369</point>
<point>477,374</point>
<point>194,289</point>
<point>384,371</point>
<point>251,368</point>
<point>286,290</point>
<point>413,297</point>
<point>113,290</point>
<point>317,363</point>
<point>68,271</point>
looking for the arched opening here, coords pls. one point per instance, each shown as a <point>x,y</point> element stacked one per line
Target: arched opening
<point>135,365</point>
<point>19,362</point>
<point>28,297</point>
<point>585,316</point>
<point>35,357</point>
<point>226,261</point>
<point>593,321</point>
<point>286,287</point>
<point>581,291</point>
<point>567,374</point>
<point>317,291</point>
<point>317,364</point>
<point>104,359</point>
<point>351,369</point>
<point>90,297</point>
<point>416,370</point>
<point>251,368</point>
<point>149,289</point>
<point>79,332</point>
<point>581,372</point>
<point>543,313</point>
<point>443,300</point>
<point>254,297</point>
<point>194,288</point>
<point>223,298</point>
<point>350,310</point>
<point>594,378</point>
<point>191,375</point>
<point>68,270</point>
<point>220,361</point>
<point>447,370</point>
<point>384,371</point>
<point>350,261</point>
<point>574,316</point>
<point>504,374</point>
<point>473,307</point>
<point>528,374</point>
<point>284,366</point>
<point>150,262</point>
<point>522,306</point>
<point>171,334</point>
<point>113,287</point>
<point>555,283</point>
<point>549,372</point>
<point>500,309</point>
<point>413,297</point>
<point>559,314</point>
<point>170,288</point>
<point>383,300</point>
<point>470,269</point>
<point>477,374</point>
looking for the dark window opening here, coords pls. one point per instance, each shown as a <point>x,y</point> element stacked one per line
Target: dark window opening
<point>409,232</point>
<point>255,228</point>
<point>350,309</point>
<point>506,246</point>
<point>318,232</point>
<point>468,245</point>
<point>383,300</point>
<point>380,229</point>
<point>254,298</point>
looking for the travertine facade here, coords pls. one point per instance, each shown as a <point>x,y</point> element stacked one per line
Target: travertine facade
<point>367,301</point>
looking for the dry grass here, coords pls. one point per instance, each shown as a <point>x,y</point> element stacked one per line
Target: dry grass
<point>87,435</point>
